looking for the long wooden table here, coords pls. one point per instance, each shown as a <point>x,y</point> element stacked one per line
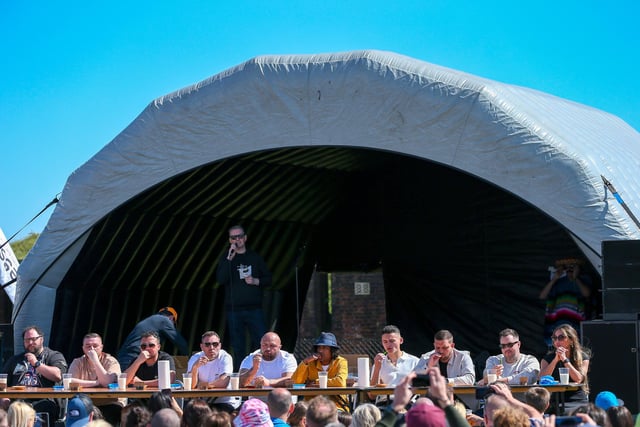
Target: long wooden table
<point>358,394</point>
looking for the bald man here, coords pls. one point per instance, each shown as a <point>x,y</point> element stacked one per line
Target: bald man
<point>269,366</point>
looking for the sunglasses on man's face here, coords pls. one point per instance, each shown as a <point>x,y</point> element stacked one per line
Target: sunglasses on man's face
<point>150,345</point>
<point>211,344</point>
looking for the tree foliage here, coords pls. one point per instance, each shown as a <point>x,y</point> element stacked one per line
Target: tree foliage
<point>22,247</point>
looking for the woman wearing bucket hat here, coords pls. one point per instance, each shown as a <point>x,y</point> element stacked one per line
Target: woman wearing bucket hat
<point>325,358</point>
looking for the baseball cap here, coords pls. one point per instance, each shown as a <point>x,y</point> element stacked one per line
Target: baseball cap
<point>423,415</point>
<point>171,310</point>
<point>606,399</point>
<point>79,412</point>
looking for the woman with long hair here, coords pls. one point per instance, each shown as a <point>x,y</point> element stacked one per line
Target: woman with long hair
<point>568,353</point>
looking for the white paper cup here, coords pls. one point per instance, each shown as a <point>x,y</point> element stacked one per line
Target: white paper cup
<point>66,380</point>
<point>235,381</point>
<point>122,382</point>
<point>492,377</point>
<point>322,379</point>
<point>186,381</point>
<point>564,375</point>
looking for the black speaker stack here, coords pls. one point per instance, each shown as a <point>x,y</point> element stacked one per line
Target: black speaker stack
<point>615,340</point>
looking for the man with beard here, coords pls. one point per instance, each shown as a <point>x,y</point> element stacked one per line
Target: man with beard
<point>211,368</point>
<point>269,366</point>
<point>37,366</point>
<point>453,364</point>
<point>512,365</point>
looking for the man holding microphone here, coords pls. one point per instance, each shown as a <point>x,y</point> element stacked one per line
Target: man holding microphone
<point>244,274</point>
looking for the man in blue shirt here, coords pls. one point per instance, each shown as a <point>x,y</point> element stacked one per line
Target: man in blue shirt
<point>280,406</point>
<point>163,324</point>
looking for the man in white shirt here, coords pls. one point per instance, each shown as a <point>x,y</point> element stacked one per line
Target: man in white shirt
<point>211,368</point>
<point>269,366</point>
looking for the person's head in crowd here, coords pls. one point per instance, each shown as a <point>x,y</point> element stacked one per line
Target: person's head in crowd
<point>80,411</point>
<point>538,397</point>
<point>280,403</point>
<point>510,417</point>
<point>443,344</point>
<point>596,413</point>
<point>492,403</point>
<point>159,400</point>
<point>365,415</point>
<point>344,418</point>
<point>606,399</point>
<point>4,421</point>
<point>425,415</point>
<point>218,419</point>
<point>620,416</point>
<point>137,416</point>
<point>321,411</point>
<point>195,414</point>
<point>326,347</point>
<point>21,414</point>
<point>165,418</point>
<point>298,418</point>
<point>253,413</point>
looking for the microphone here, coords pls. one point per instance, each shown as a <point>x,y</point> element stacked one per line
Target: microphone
<point>232,253</point>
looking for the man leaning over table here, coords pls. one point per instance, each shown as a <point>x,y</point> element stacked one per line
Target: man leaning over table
<point>453,364</point>
<point>98,369</point>
<point>37,366</point>
<point>210,368</point>
<point>511,365</point>
<point>325,358</point>
<point>269,366</point>
<point>144,368</point>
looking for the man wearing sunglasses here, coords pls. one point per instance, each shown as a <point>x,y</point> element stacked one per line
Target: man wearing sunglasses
<point>211,368</point>
<point>269,366</point>
<point>512,365</point>
<point>244,275</point>
<point>164,324</point>
<point>145,367</point>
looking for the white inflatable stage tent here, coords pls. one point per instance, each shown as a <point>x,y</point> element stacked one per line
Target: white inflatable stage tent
<point>459,190</point>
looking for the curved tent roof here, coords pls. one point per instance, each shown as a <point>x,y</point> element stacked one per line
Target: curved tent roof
<point>272,140</point>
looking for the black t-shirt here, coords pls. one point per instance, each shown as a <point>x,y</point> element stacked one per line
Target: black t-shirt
<point>20,372</point>
<point>578,395</point>
<point>150,372</point>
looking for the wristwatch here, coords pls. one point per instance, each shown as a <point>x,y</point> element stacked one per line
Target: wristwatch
<point>37,365</point>
<point>566,360</point>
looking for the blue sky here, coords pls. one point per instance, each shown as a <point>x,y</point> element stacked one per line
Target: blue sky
<point>75,74</point>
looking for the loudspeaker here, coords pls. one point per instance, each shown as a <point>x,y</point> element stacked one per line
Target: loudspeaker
<point>621,279</point>
<point>615,364</point>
